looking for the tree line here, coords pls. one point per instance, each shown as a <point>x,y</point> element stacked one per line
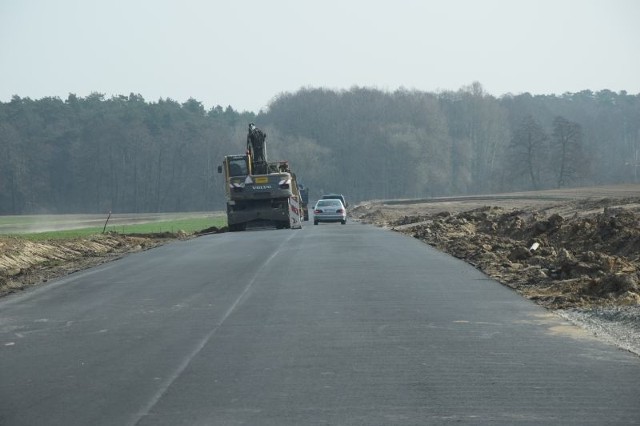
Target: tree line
<point>124,154</point>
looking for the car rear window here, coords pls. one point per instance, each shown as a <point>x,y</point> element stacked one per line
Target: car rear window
<point>329,203</point>
<point>334,197</point>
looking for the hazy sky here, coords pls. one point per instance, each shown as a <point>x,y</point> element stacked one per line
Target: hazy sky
<point>244,52</point>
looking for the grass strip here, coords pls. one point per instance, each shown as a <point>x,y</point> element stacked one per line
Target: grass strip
<point>186,225</point>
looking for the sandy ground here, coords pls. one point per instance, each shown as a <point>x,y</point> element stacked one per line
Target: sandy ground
<point>576,252</point>
<point>25,263</point>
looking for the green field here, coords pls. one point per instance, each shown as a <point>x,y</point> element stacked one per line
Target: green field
<point>189,225</point>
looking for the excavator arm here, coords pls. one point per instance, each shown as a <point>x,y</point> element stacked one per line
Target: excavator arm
<point>257,148</point>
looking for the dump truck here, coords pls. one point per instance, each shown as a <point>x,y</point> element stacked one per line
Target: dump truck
<point>259,192</point>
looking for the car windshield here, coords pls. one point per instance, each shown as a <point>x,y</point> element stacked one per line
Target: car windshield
<point>325,203</point>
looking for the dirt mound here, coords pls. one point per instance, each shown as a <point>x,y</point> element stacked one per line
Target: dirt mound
<point>24,263</point>
<point>586,256</point>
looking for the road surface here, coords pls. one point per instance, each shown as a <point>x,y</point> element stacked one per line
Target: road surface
<point>331,324</point>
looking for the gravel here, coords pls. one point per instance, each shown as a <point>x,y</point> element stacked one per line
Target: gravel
<point>618,325</point>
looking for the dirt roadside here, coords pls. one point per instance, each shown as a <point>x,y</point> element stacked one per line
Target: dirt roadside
<point>576,252</point>
<point>25,263</point>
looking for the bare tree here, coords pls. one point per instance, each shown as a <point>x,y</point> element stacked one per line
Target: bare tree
<point>528,149</point>
<point>566,150</point>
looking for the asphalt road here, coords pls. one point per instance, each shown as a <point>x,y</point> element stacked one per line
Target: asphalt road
<point>331,324</point>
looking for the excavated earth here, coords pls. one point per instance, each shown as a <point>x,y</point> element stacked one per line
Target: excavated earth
<point>25,263</point>
<point>577,253</point>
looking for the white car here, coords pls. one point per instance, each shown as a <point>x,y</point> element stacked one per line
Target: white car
<point>329,210</point>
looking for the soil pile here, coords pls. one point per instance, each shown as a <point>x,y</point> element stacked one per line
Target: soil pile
<point>587,256</point>
<point>24,263</point>
<point>578,254</point>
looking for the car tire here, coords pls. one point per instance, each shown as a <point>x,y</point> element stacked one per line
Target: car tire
<point>315,222</point>
<point>344,222</point>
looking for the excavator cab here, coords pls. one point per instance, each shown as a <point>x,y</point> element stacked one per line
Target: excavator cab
<point>238,166</point>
